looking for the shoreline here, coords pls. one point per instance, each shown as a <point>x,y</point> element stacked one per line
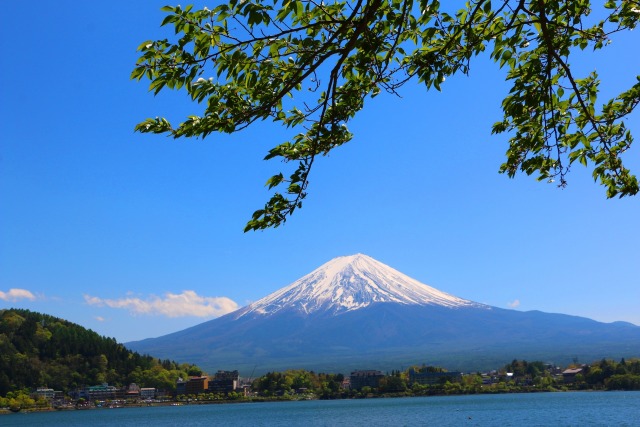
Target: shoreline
<point>5,411</point>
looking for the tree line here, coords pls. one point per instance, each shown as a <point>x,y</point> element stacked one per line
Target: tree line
<point>517,376</point>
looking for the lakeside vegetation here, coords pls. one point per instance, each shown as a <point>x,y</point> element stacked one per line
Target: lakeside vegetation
<point>526,377</point>
<point>38,350</point>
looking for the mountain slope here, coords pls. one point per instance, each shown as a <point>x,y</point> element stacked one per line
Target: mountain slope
<point>355,312</point>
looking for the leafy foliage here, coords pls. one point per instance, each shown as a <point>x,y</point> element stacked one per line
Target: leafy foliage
<point>40,350</point>
<point>611,375</point>
<point>311,65</point>
<point>523,377</point>
<point>283,384</point>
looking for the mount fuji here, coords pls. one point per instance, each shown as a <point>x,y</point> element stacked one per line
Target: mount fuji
<point>356,313</point>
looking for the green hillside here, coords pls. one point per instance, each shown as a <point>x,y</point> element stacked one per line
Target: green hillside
<point>40,350</point>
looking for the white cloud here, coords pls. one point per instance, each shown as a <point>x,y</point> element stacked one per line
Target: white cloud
<point>514,304</point>
<point>16,294</point>
<point>100,319</point>
<point>188,303</point>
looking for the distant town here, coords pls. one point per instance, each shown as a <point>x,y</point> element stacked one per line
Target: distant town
<point>228,386</point>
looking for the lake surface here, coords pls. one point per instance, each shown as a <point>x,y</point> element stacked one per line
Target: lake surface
<point>536,409</point>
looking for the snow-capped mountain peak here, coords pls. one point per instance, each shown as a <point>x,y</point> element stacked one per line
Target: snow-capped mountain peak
<point>351,283</point>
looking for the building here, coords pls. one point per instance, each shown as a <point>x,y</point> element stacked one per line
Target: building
<point>100,392</point>
<point>147,393</point>
<point>569,375</point>
<point>133,392</point>
<point>346,383</point>
<point>181,387</point>
<point>46,393</point>
<point>224,382</point>
<point>196,385</point>
<point>368,378</point>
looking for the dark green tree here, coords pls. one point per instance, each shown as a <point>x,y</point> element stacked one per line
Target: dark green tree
<point>392,384</point>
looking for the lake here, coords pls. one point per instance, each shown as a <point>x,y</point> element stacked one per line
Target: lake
<point>533,409</point>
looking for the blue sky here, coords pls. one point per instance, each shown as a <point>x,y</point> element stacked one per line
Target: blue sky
<point>136,236</point>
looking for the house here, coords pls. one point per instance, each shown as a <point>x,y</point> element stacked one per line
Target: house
<point>569,375</point>
<point>367,378</point>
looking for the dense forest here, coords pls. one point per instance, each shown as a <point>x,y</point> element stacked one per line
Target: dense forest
<point>38,350</point>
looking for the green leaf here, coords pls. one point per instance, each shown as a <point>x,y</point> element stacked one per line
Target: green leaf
<point>312,66</point>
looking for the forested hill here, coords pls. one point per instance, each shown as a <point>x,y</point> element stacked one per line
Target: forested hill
<point>40,350</point>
